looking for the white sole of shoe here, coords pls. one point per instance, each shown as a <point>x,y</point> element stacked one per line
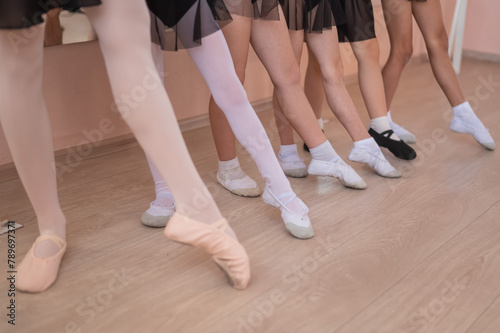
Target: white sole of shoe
<point>296,173</point>
<point>154,221</point>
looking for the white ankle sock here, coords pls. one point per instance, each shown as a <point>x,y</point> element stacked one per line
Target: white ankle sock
<point>325,152</point>
<point>466,121</point>
<point>320,122</point>
<point>164,197</point>
<point>400,131</point>
<point>234,177</point>
<point>289,153</point>
<point>381,124</point>
<point>368,144</point>
<point>227,165</point>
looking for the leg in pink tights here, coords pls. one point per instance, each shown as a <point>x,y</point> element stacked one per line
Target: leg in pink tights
<point>199,222</point>
<point>26,125</point>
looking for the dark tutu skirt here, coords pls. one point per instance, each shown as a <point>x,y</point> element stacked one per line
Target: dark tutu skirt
<point>256,9</point>
<point>22,14</point>
<point>360,23</point>
<point>179,24</point>
<point>312,16</point>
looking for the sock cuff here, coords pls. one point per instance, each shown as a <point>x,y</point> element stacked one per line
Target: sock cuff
<point>379,118</point>
<point>462,107</point>
<point>288,148</point>
<point>231,164</point>
<point>325,146</point>
<point>365,142</point>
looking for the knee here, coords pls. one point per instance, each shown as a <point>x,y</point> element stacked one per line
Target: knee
<point>288,77</point>
<point>333,74</point>
<point>402,52</point>
<point>367,52</point>
<point>437,42</point>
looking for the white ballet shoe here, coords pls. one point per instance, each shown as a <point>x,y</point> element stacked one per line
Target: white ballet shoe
<point>297,224</point>
<point>293,166</point>
<point>157,216</point>
<point>401,132</point>
<point>345,174</point>
<point>375,160</point>
<point>462,123</point>
<point>238,182</point>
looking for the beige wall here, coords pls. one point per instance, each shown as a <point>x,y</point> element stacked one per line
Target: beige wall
<point>79,98</point>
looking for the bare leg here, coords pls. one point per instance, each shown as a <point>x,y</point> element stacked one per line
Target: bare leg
<point>398,18</point>
<point>370,77</point>
<point>326,49</point>
<point>293,165</point>
<point>313,85</point>
<point>271,42</point>
<point>429,18</point>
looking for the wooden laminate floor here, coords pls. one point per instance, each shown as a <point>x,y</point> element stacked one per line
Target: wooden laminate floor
<point>417,254</point>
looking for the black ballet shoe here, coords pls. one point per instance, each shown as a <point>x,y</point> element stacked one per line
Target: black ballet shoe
<point>306,148</point>
<point>398,147</point>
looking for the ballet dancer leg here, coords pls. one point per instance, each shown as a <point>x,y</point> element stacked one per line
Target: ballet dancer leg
<point>429,18</point>
<point>371,84</point>
<point>163,207</point>
<point>272,44</point>
<point>398,19</point>
<point>26,125</point>
<point>144,105</point>
<point>325,47</point>
<point>230,175</point>
<point>372,89</point>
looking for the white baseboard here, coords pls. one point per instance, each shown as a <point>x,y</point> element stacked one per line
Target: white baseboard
<point>481,56</point>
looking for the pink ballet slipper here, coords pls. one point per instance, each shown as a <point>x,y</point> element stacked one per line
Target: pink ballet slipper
<point>37,274</point>
<point>227,253</point>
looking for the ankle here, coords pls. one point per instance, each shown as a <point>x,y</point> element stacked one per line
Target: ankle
<point>54,226</point>
<point>225,166</point>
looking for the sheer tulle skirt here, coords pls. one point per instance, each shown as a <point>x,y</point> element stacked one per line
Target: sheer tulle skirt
<point>360,23</point>
<point>256,9</point>
<point>179,24</point>
<point>312,16</point>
